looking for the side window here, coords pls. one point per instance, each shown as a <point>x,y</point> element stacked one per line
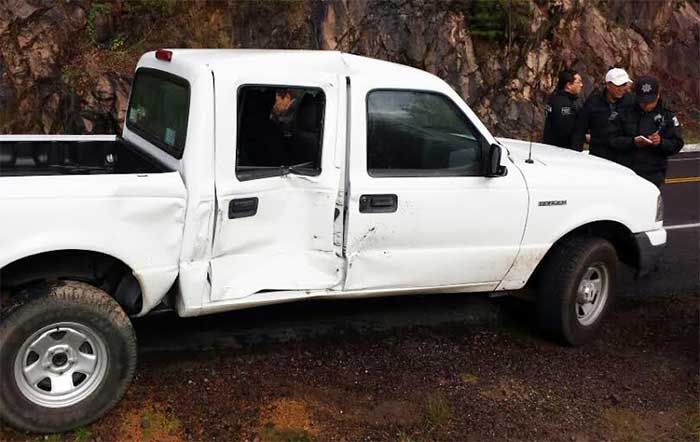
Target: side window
<point>280,131</point>
<point>413,133</point>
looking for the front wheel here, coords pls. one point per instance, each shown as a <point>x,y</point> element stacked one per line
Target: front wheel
<point>575,288</point>
<point>67,358</point>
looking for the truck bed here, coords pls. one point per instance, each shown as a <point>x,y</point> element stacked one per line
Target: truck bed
<point>32,155</point>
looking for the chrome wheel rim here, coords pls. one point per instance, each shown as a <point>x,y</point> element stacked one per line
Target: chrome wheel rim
<point>592,294</point>
<point>61,364</point>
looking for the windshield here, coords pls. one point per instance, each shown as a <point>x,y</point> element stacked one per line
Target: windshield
<point>158,109</point>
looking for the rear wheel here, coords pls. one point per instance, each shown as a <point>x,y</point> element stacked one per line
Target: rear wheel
<point>575,288</point>
<point>67,358</point>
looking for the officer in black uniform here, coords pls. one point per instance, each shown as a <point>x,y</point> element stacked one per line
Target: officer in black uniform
<point>599,113</point>
<point>561,110</point>
<point>648,134</point>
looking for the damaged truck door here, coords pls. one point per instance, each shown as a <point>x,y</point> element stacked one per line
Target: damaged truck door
<point>276,185</point>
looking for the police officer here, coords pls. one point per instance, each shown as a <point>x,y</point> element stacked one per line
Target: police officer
<point>648,133</point>
<point>599,113</point>
<point>561,110</point>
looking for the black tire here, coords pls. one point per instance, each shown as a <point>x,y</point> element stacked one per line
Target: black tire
<point>68,303</point>
<point>558,283</point>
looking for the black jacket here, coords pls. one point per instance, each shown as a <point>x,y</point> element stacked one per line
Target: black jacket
<point>648,162</point>
<point>560,119</point>
<point>598,118</point>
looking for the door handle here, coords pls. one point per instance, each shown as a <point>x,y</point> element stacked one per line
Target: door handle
<point>243,207</point>
<point>386,203</point>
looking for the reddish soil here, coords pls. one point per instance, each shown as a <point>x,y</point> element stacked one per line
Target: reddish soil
<point>638,382</point>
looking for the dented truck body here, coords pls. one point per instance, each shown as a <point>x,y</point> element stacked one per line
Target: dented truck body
<point>136,217</point>
<point>244,178</point>
<point>201,218</point>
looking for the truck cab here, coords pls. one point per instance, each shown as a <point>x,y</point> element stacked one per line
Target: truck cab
<point>350,190</point>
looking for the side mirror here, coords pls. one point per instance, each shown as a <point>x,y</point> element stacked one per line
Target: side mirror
<point>493,166</point>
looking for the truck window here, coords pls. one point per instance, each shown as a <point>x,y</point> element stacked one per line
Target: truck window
<point>414,133</point>
<point>159,108</point>
<point>280,131</point>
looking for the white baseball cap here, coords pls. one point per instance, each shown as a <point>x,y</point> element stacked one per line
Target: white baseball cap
<point>617,76</point>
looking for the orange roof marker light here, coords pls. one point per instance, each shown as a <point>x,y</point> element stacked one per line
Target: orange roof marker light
<point>165,55</point>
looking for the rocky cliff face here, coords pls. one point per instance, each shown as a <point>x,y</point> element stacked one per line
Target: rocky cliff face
<point>65,66</point>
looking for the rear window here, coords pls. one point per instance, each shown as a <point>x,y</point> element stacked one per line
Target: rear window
<point>158,109</point>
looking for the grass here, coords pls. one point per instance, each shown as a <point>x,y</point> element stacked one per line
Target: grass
<point>405,437</point>
<point>81,434</point>
<point>468,378</point>
<point>157,423</point>
<point>437,411</point>
<point>271,434</point>
<point>625,425</point>
<point>692,426</point>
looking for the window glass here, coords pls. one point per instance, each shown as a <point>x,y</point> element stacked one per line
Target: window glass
<point>158,110</point>
<point>280,131</point>
<point>411,133</point>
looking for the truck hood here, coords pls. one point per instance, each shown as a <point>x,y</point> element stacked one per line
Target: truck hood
<point>573,188</point>
<point>546,155</point>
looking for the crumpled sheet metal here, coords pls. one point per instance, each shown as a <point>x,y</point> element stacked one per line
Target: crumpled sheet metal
<point>287,245</point>
<point>137,219</point>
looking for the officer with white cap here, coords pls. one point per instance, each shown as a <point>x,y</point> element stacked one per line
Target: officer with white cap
<point>648,133</point>
<point>600,112</point>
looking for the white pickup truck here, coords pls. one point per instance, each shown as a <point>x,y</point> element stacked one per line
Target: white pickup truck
<point>244,178</point>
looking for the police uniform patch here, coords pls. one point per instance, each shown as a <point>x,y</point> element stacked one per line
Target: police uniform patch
<point>675,122</point>
<point>547,108</point>
<point>659,119</point>
<point>566,110</point>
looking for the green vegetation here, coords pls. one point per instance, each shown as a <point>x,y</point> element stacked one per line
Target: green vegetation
<point>271,434</point>
<point>267,7</point>
<point>496,20</point>
<point>469,378</point>
<point>692,425</point>
<point>81,434</point>
<point>405,437</point>
<point>93,10</point>
<point>69,74</point>
<point>117,43</point>
<point>437,412</point>
<point>625,425</point>
<point>163,8</point>
<point>157,423</point>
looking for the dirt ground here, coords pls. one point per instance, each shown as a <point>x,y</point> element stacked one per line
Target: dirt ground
<point>640,381</point>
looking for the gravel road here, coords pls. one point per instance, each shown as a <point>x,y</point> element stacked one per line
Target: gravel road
<point>456,381</point>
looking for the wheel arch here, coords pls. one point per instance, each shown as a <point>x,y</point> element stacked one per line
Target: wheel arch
<point>102,270</point>
<point>619,235</point>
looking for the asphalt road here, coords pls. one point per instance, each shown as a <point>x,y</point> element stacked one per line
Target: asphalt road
<point>679,269</point>
<point>677,274</point>
<point>682,191</point>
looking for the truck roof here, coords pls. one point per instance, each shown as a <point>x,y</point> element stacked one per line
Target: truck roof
<point>291,60</point>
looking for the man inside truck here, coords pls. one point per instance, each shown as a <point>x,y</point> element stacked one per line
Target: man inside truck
<point>275,131</point>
